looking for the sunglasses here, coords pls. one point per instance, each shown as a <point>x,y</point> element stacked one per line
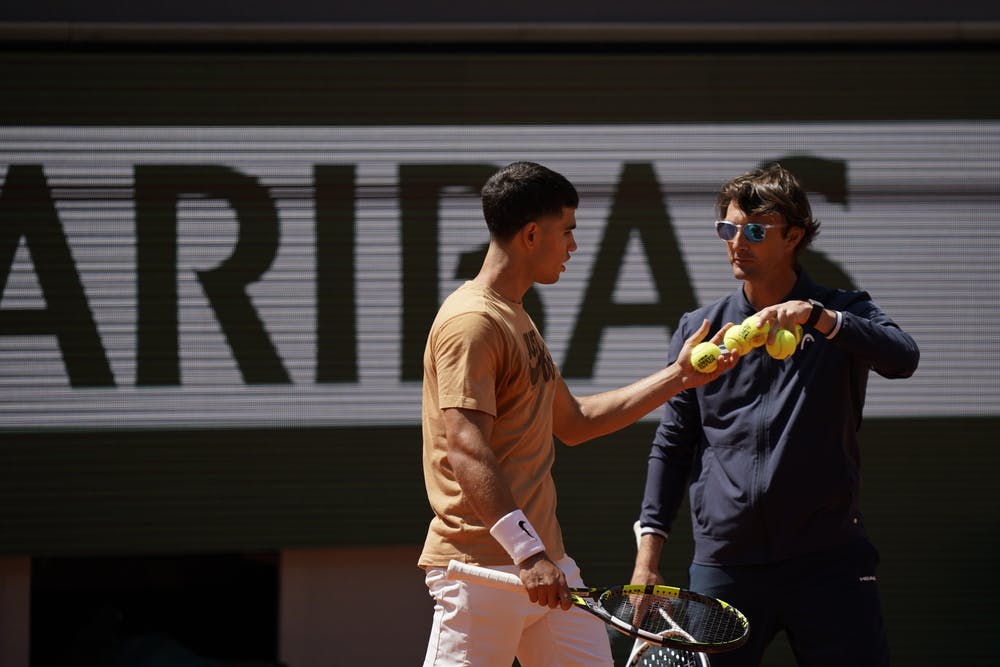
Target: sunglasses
<point>754,232</point>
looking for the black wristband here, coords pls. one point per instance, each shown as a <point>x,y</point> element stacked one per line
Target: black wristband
<point>814,315</point>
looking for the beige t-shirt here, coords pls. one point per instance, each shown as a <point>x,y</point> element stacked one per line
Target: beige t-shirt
<point>484,353</point>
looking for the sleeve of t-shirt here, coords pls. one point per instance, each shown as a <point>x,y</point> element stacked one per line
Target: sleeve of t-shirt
<point>466,351</point>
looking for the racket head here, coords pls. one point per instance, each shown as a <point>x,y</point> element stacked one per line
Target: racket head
<point>673,617</point>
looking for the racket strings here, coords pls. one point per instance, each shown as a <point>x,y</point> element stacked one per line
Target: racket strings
<point>658,656</point>
<point>678,618</point>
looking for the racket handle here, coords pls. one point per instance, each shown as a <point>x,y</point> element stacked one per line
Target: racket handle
<point>483,575</point>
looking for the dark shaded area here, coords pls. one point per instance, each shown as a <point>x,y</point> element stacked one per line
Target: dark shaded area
<point>143,611</point>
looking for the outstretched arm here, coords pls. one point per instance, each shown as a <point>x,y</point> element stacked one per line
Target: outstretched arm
<point>578,419</point>
<point>862,328</point>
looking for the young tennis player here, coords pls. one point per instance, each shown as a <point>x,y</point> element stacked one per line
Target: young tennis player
<point>492,401</point>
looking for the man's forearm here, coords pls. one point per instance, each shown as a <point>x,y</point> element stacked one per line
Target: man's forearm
<point>647,560</point>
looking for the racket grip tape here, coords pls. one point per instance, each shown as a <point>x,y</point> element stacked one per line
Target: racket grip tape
<point>483,575</point>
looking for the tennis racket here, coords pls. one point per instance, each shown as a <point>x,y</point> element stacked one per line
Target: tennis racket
<point>660,615</point>
<point>645,654</point>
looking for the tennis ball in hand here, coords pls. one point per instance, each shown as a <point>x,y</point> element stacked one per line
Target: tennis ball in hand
<point>705,357</point>
<point>756,336</point>
<point>783,345</point>
<point>737,339</point>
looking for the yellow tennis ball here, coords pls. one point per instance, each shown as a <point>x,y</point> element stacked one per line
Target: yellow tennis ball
<point>705,357</point>
<point>783,345</point>
<point>798,334</point>
<point>756,336</point>
<point>737,339</point>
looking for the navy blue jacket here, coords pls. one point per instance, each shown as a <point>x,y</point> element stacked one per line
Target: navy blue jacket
<point>770,449</point>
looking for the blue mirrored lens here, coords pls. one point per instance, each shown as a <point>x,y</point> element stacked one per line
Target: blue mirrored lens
<point>754,232</point>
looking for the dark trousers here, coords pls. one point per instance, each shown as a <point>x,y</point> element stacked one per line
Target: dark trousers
<point>828,603</point>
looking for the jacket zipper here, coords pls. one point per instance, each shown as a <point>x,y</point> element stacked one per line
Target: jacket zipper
<point>761,452</point>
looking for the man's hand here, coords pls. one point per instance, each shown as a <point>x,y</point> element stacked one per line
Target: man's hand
<point>645,577</point>
<point>690,377</point>
<point>790,313</point>
<point>545,582</point>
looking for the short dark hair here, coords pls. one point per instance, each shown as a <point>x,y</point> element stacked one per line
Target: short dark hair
<point>771,189</point>
<point>522,192</point>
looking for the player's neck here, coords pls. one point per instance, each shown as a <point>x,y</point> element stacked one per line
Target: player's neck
<point>500,275</point>
<point>769,290</point>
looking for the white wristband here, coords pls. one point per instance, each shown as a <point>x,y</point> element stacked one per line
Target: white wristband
<point>836,328</point>
<point>517,536</point>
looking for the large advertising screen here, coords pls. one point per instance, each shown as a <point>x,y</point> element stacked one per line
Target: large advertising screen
<point>265,276</point>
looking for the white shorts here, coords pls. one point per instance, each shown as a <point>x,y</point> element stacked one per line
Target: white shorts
<point>482,626</point>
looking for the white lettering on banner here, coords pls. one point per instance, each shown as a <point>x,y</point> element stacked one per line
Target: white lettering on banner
<point>248,276</point>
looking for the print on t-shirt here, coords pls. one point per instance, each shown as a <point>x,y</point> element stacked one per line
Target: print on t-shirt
<point>538,358</point>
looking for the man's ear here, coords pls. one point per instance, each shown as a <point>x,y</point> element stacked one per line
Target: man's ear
<point>529,234</point>
<point>793,235</point>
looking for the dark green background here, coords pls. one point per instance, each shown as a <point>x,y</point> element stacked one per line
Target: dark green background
<point>928,489</point>
<point>316,86</point>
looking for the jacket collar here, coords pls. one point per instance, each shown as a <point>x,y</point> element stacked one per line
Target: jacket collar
<point>803,289</point>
